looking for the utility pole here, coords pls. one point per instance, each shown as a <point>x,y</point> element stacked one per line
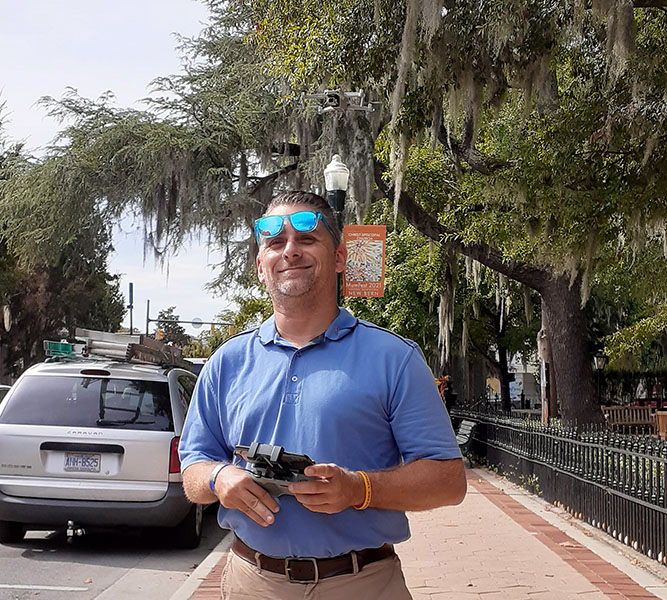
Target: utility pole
<point>131,306</point>
<point>148,312</point>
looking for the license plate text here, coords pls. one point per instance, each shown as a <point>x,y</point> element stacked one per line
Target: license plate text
<point>82,462</point>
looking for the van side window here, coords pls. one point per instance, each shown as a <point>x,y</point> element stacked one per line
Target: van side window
<point>186,386</point>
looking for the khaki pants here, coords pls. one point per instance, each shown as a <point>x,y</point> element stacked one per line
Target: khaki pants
<point>381,580</point>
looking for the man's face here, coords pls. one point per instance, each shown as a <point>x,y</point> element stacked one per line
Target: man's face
<point>296,264</point>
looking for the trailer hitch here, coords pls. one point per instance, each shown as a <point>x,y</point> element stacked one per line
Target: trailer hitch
<point>73,531</point>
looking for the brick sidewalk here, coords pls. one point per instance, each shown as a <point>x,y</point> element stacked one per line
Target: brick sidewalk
<point>493,548</point>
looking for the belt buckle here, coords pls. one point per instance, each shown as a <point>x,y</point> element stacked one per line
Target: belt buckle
<point>288,572</point>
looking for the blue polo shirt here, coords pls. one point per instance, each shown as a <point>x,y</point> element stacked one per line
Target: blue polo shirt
<point>358,396</point>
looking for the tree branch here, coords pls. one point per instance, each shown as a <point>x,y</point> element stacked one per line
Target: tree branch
<point>533,277</point>
<point>272,178</point>
<point>473,158</point>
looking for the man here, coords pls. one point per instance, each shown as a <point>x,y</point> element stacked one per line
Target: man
<point>359,400</point>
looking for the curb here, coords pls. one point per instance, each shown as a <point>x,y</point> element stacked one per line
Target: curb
<point>198,576</point>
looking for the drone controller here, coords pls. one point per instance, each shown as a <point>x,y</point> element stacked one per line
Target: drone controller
<point>272,467</point>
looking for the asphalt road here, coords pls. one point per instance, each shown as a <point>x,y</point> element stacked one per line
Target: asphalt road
<point>100,565</point>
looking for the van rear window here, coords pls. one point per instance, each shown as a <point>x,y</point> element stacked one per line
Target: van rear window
<point>90,402</point>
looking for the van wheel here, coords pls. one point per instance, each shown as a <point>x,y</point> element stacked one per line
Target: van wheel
<point>11,532</point>
<point>187,534</point>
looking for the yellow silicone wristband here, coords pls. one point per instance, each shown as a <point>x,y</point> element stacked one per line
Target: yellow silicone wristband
<point>367,492</point>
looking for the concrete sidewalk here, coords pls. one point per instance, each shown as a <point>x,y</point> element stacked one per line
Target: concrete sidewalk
<point>501,543</point>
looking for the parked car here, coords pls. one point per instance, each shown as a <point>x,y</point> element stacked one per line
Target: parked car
<point>3,390</point>
<point>93,442</point>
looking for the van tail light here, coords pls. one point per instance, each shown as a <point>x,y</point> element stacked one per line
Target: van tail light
<point>174,460</point>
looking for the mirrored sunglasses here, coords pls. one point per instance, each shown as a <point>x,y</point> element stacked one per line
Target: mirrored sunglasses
<point>305,221</point>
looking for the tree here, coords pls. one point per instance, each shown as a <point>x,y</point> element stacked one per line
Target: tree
<point>550,118</point>
<point>546,119</point>
<point>53,263</point>
<point>486,321</point>
<point>197,159</point>
<point>632,320</point>
<point>172,332</point>
<point>49,302</point>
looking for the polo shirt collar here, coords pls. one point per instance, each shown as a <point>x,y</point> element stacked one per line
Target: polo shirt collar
<point>343,324</point>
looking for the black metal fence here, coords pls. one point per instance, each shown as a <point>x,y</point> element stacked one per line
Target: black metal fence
<point>614,481</point>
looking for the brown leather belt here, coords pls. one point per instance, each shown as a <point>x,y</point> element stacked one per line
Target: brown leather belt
<point>311,570</point>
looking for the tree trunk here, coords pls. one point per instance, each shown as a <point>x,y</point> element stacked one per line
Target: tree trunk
<point>542,343</point>
<point>552,387</point>
<point>566,323</point>
<point>504,380</point>
<point>548,393</point>
<point>572,367</point>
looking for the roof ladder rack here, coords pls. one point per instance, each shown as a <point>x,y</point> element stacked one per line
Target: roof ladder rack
<point>130,348</point>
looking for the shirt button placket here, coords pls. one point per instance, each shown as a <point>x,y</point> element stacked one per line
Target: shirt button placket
<point>293,383</point>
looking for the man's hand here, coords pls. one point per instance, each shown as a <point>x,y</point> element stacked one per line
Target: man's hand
<point>235,488</point>
<point>333,490</point>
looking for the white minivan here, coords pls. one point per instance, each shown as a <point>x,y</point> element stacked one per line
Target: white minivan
<point>87,443</point>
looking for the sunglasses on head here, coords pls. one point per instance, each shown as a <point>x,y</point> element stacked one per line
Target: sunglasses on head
<point>304,221</point>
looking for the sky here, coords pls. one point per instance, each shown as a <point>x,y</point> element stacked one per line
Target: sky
<point>94,46</point>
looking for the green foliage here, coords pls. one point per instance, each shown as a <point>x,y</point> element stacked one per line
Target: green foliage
<point>35,220</point>
<point>9,274</point>
<point>120,159</point>
<point>251,313</point>
<point>196,159</point>
<point>49,302</point>
<point>349,41</point>
<point>530,86</point>
<point>642,345</point>
<point>499,316</point>
<point>206,343</point>
<point>546,148</point>
<point>254,308</point>
<point>172,331</point>
<point>416,277</point>
<point>54,246</point>
<point>411,285</point>
<point>545,160</point>
<point>87,295</point>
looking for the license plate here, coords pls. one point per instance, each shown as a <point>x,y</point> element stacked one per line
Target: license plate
<point>82,462</point>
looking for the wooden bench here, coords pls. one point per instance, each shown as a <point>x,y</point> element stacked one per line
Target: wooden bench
<point>661,422</point>
<point>629,416</point>
<point>464,437</point>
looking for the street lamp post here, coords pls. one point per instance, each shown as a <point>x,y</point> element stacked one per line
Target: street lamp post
<point>336,178</point>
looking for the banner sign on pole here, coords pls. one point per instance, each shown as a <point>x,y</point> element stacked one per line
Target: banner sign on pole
<point>364,269</point>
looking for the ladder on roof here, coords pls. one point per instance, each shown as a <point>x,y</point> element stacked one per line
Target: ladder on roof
<point>136,348</point>
<point>130,348</point>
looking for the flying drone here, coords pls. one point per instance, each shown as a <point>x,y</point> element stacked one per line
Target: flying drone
<point>340,101</point>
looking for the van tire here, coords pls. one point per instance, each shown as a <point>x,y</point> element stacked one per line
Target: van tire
<point>187,534</point>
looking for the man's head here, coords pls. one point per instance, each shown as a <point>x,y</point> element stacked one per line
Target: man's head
<point>299,250</point>
<point>311,202</point>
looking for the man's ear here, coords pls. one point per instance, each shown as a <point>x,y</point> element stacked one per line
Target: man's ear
<point>260,270</point>
<point>341,258</point>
